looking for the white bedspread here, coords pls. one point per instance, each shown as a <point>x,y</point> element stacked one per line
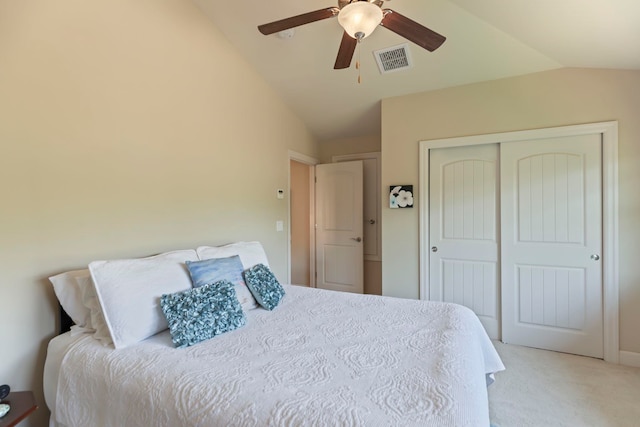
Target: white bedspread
<point>320,359</point>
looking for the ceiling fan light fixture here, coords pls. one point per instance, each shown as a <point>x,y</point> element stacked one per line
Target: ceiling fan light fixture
<point>360,18</point>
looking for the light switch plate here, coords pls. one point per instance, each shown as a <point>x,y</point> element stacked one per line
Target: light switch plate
<point>280,193</point>
<point>279,225</point>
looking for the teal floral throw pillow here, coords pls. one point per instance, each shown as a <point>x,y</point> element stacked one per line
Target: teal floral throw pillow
<point>264,286</point>
<point>199,314</point>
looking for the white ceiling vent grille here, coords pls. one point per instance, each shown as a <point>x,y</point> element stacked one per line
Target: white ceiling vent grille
<point>393,58</point>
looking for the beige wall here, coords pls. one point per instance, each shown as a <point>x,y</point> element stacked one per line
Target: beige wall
<point>127,128</point>
<point>357,145</point>
<point>547,99</point>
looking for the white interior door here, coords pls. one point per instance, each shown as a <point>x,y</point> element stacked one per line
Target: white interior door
<point>463,230</point>
<point>339,243</point>
<point>372,206</point>
<point>551,244</point>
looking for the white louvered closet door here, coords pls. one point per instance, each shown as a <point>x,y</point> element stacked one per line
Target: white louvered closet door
<point>551,244</point>
<point>464,235</point>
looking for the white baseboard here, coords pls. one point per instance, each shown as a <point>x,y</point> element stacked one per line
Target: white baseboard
<point>630,358</point>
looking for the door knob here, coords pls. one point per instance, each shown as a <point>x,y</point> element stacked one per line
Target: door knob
<point>372,221</point>
<point>357,239</point>
<point>434,249</point>
<point>595,257</point>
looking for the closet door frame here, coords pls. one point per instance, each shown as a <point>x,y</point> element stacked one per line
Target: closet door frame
<point>610,272</point>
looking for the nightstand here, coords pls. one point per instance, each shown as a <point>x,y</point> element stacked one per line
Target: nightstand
<point>22,405</point>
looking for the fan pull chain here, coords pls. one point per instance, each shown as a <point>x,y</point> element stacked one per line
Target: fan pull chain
<point>358,60</point>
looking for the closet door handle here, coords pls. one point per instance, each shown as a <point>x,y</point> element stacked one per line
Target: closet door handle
<point>357,239</point>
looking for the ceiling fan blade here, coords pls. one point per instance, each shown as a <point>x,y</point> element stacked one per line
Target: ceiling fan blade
<point>411,30</point>
<point>295,21</point>
<point>345,53</point>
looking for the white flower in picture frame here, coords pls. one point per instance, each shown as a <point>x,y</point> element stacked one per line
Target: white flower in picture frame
<point>401,196</point>
<point>405,199</point>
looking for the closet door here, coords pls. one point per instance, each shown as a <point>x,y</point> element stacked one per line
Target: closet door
<point>551,244</point>
<point>463,230</point>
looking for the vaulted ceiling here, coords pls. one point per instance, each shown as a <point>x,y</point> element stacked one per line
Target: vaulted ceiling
<point>486,40</point>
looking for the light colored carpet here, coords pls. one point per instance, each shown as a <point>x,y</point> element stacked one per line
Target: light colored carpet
<point>545,388</point>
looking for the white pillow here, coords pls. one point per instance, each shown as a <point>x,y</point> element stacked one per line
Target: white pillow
<point>129,292</point>
<point>90,301</point>
<point>69,293</point>
<point>251,253</point>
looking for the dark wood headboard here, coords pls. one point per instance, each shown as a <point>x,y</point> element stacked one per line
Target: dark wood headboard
<point>65,321</point>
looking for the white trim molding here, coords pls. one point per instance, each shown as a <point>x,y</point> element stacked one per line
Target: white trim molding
<point>302,158</point>
<point>610,230</point>
<point>629,358</point>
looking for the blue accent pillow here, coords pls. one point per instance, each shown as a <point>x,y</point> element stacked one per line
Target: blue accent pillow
<point>264,286</point>
<point>212,270</point>
<point>199,314</point>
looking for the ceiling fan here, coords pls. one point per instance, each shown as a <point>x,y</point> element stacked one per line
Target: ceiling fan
<point>359,18</point>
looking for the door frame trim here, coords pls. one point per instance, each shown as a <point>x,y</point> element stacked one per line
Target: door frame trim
<point>610,230</point>
<point>311,162</point>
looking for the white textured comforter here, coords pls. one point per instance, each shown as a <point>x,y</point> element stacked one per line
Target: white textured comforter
<point>321,358</point>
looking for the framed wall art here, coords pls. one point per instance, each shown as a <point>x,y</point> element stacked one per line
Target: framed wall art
<point>400,196</point>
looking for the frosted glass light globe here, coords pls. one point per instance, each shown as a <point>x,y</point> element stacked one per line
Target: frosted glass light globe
<point>360,18</point>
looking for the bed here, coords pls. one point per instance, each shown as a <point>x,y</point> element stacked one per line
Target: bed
<point>320,358</point>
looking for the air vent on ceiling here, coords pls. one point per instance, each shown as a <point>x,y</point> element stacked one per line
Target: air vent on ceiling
<point>393,58</point>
